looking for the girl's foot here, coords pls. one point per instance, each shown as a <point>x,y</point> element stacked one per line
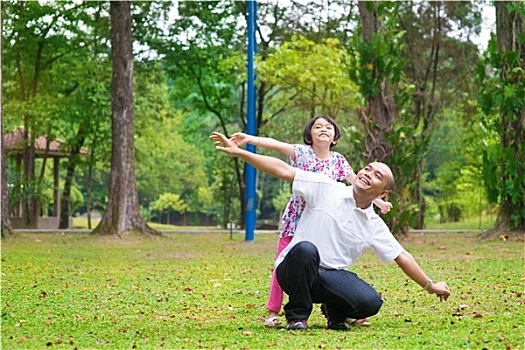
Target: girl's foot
<point>271,320</point>
<point>363,322</point>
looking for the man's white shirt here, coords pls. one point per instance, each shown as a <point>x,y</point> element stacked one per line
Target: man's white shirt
<point>341,231</point>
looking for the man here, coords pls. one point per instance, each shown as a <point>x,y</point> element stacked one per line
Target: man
<point>337,226</point>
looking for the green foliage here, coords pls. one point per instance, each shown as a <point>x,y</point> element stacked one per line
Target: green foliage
<point>190,79</point>
<point>378,60</point>
<point>76,199</point>
<point>282,198</point>
<point>503,100</point>
<point>80,291</point>
<point>455,171</point>
<point>223,193</point>
<point>382,58</point>
<point>24,191</point>
<point>311,77</point>
<point>165,162</point>
<point>170,201</point>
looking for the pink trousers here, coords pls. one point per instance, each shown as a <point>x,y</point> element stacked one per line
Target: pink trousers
<point>275,299</point>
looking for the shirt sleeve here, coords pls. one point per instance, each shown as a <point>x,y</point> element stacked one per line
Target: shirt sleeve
<point>301,156</point>
<point>385,245</point>
<point>313,187</point>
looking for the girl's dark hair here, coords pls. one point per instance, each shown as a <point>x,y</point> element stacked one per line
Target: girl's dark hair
<point>307,132</point>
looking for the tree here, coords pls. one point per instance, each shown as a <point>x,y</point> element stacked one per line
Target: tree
<point>438,66</point>
<point>309,78</point>
<point>161,152</point>
<point>167,201</point>
<point>378,70</point>
<point>4,204</point>
<point>381,111</point>
<point>122,214</point>
<point>504,94</point>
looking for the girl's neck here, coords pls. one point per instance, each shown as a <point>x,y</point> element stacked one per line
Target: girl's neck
<point>321,151</point>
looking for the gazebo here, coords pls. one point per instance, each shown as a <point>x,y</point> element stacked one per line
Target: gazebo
<point>14,147</point>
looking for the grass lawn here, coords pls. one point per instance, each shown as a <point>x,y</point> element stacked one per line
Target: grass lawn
<point>209,291</point>
<point>81,223</point>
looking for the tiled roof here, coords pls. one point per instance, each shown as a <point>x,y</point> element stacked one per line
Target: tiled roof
<point>14,143</point>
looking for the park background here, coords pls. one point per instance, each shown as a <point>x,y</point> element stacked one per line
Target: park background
<point>410,83</point>
<point>111,105</point>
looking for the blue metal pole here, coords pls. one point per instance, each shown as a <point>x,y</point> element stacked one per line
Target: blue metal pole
<point>251,128</point>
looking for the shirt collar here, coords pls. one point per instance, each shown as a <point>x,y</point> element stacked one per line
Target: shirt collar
<point>368,211</point>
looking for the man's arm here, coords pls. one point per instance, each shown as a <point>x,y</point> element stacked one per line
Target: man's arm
<point>269,165</point>
<point>411,268</point>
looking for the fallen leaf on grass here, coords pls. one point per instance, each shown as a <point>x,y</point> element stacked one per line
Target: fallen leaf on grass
<point>246,333</point>
<point>443,247</point>
<point>477,315</point>
<point>23,339</point>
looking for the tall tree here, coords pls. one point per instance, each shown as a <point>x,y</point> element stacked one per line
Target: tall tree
<point>122,214</point>
<point>45,38</point>
<point>377,71</point>
<point>4,204</point>
<point>381,111</point>
<point>505,95</point>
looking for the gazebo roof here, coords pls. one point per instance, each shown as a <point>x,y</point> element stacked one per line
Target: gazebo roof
<point>14,143</point>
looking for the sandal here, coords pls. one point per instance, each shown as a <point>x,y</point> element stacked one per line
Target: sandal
<point>271,322</point>
<point>363,322</point>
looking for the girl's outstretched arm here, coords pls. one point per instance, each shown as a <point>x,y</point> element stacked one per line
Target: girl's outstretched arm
<point>380,203</point>
<point>242,139</point>
<point>269,165</point>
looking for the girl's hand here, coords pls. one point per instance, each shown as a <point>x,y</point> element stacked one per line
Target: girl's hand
<point>240,138</point>
<point>385,207</point>
<point>224,144</point>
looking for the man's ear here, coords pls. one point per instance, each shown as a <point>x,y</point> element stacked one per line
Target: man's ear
<point>383,194</point>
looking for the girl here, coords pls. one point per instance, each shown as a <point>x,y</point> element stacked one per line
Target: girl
<point>320,134</point>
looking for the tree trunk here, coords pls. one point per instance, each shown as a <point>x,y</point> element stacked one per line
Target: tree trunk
<point>6,223</point>
<point>71,165</point>
<point>4,204</point>
<point>381,113</point>
<point>88,190</point>
<point>122,214</point>
<point>509,26</point>
<point>29,202</point>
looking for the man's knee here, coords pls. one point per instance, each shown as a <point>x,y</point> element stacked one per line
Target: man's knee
<point>372,304</point>
<point>304,252</point>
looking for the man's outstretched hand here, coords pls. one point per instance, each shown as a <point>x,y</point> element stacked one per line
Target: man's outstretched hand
<point>440,289</point>
<point>223,144</point>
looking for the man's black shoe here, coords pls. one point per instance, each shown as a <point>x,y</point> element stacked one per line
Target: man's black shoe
<point>332,324</point>
<point>338,326</point>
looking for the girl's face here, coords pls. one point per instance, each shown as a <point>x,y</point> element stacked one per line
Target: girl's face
<point>323,132</point>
